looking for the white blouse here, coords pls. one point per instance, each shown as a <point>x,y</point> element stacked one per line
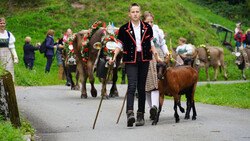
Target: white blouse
<point>12,41</point>
<point>184,48</point>
<point>159,37</point>
<point>12,38</point>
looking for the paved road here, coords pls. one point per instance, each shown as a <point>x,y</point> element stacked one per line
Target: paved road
<point>59,114</point>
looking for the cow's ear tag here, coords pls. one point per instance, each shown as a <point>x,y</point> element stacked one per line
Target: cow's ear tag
<point>97,45</point>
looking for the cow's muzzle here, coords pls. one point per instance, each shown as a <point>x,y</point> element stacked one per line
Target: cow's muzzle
<point>159,76</point>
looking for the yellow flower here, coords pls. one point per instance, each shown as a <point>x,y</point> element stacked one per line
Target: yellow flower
<point>170,52</point>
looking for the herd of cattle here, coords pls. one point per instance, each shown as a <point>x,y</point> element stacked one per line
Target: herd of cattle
<point>168,85</point>
<point>214,58</point>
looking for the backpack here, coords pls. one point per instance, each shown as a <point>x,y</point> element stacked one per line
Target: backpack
<point>42,48</point>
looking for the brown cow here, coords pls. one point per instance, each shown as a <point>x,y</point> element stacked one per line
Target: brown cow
<point>241,63</point>
<point>216,60</point>
<point>88,71</point>
<point>174,82</point>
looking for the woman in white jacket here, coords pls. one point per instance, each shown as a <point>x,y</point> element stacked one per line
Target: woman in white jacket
<point>7,47</point>
<point>152,92</point>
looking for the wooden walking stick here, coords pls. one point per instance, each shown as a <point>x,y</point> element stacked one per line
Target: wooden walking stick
<point>122,107</point>
<point>105,83</point>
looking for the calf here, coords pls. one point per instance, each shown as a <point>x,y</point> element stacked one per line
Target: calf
<point>174,82</point>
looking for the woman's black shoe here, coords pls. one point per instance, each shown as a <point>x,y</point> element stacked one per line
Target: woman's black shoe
<point>153,112</point>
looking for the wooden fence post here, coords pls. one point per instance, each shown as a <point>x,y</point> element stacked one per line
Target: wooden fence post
<point>10,95</point>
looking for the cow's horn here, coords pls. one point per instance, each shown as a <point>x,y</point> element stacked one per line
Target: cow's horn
<point>97,45</point>
<point>195,54</point>
<point>167,59</point>
<point>182,57</point>
<point>156,57</point>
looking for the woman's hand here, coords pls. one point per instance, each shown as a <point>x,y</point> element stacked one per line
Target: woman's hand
<point>16,60</point>
<point>61,46</point>
<point>111,61</point>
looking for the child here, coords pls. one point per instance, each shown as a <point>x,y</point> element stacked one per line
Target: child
<point>183,49</point>
<point>29,53</point>
<point>152,91</point>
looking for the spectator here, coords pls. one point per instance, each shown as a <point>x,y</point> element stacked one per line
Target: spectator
<point>59,58</point>
<point>238,27</point>
<point>29,53</point>
<point>7,48</point>
<point>246,41</point>
<point>67,36</point>
<point>237,38</point>
<point>50,45</point>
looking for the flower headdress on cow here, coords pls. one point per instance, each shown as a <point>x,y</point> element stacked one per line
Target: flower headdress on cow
<point>86,39</point>
<point>207,51</point>
<point>68,45</point>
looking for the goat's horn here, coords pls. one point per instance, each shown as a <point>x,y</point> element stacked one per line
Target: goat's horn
<point>156,57</point>
<point>182,57</point>
<point>195,54</point>
<point>167,59</point>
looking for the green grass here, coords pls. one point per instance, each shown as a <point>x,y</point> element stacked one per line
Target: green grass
<point>176,18</point>
<point>232,95</point>
<point>10,133</point>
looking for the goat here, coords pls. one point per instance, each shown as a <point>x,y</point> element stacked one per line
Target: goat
<point>174,82</point>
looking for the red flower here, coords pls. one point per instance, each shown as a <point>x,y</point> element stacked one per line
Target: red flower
<point>106,39</point>
<point>106,49</point>
<point>83,44</point>
<point>85,38</point>
<point>70,43</point>
<point>86,49</point>
<point>117,31</point>
<point>111,37</point>
<point>113,51</point>
<point>72,50</point>
<point>84,60</point>
<point>86,65</point>
<point>94,26</point>
<point>88,33</point>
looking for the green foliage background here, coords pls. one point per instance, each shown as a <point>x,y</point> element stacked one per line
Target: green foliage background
<point>235,10</point>
<point>177,18</point>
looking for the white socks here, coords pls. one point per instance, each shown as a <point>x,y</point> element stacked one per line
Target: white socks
<point>153,98</point>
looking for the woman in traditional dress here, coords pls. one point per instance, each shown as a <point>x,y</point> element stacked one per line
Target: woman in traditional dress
<point>7,48</point>
<point>152,92</point>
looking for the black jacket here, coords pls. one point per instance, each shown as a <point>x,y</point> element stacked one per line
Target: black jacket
<point>29,51</point>
<point>126,37</point>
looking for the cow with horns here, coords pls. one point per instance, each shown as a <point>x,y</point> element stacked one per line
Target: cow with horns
<point>174,82</point>
<point>86,47</point>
